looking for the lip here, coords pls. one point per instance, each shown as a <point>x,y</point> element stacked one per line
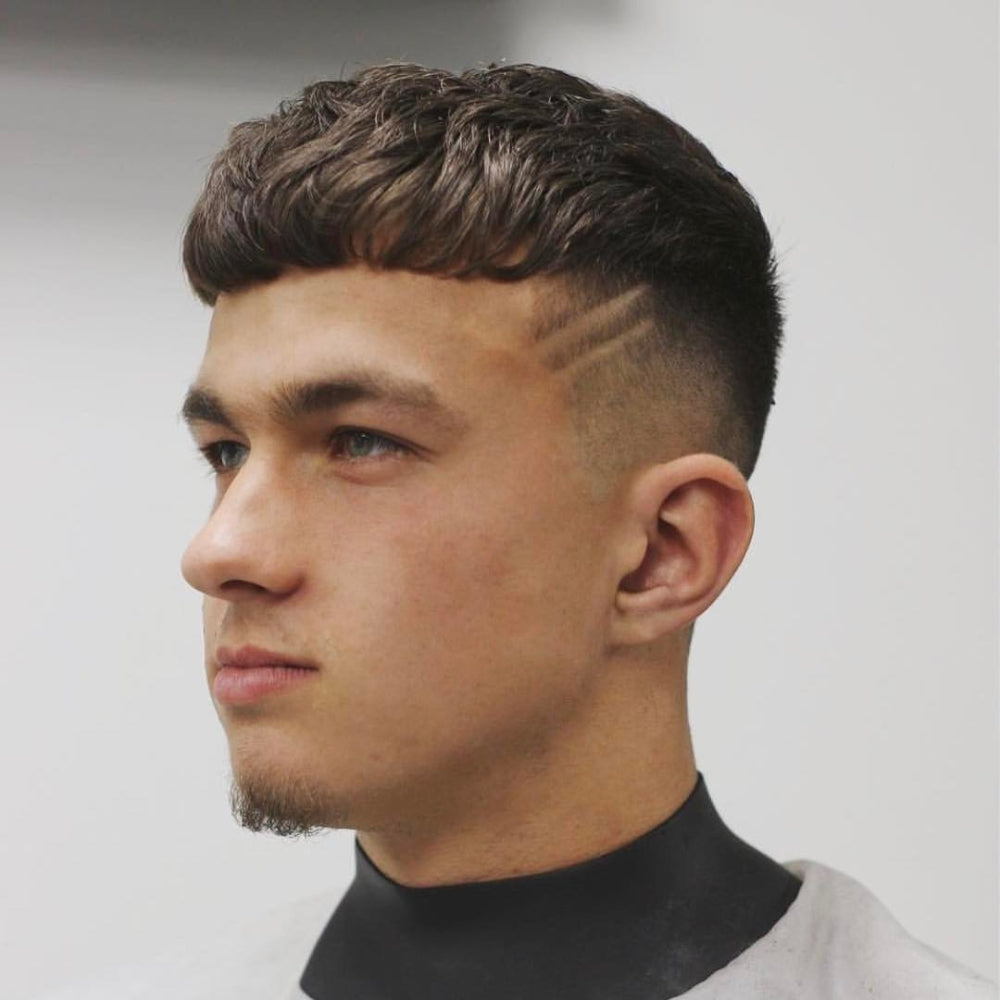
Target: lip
<point>250,673</point>
<point>256,656</point>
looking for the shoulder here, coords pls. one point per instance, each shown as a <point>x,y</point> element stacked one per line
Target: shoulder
<point>261,957</point>
<point>835,942</point>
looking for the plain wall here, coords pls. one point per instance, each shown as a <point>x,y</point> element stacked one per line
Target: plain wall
<point>844,689</point>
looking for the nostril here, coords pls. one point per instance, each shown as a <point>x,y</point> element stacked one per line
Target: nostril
<point>241,586</point>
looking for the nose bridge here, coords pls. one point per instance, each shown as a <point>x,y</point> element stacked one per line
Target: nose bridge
<point>249,535</point>
<point>251,499</point>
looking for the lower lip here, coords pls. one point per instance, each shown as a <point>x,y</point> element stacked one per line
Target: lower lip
<point>243,685</point>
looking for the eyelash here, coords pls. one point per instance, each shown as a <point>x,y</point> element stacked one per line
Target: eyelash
<point>212,453</point>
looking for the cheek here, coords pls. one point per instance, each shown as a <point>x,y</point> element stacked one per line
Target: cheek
<point>453,604</point>
<point>417,617</point>
<point>492,595</point>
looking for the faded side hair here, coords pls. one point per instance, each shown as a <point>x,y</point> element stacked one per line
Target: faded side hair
<point>508,172</point>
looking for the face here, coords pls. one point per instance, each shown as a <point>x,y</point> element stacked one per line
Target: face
<point>400,509</point>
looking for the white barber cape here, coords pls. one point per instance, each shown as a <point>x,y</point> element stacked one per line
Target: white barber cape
<point>835,942</point>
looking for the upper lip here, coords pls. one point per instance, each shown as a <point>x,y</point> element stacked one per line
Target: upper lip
<point>256,656</point>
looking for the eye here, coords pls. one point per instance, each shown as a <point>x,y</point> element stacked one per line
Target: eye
<point>224,456</point>
<point>352,444</point>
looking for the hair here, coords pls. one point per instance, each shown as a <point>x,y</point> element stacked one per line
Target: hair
<point>510,172</point>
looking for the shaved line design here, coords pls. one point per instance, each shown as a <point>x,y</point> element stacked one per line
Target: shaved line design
<point>580,332</point>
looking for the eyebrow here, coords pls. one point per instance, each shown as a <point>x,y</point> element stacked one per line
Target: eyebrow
<point>293,401</point>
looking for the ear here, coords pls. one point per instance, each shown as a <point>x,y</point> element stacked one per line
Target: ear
<point>691,523</point>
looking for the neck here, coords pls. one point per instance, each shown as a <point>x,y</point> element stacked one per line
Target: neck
<point>604,780</point>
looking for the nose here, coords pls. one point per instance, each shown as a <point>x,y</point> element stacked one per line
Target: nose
<point>247,548</point>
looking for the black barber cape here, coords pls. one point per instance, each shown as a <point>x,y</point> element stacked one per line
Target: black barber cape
<point>685,910</point>
<point>645,922</point>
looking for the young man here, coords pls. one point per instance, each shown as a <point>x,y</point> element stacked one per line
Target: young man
<point>489,365</point>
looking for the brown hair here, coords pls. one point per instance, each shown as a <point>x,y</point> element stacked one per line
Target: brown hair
<point>504,173</point>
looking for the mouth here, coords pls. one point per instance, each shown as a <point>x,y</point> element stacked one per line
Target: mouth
<point>250,673</point>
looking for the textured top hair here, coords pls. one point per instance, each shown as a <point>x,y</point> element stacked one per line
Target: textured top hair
<point>504,173</point>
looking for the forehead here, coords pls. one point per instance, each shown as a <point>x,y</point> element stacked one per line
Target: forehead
<point>420,326</point>
<point>330,309</point>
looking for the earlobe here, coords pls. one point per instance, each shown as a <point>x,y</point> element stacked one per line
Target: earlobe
<point>695,515</point>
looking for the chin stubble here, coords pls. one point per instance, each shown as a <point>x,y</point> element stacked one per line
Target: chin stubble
<point>284,807</point>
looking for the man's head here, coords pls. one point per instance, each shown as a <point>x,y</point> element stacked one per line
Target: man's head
<point>491,351</point>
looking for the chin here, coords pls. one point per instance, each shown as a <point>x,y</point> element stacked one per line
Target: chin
<point>267,793</point>
<point>274,786</point>
<point>288,783</point>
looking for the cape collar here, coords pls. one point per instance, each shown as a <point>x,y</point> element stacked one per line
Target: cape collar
<point>648,920</point>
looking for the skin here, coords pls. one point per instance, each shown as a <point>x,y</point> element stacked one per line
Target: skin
<point>501,654</point>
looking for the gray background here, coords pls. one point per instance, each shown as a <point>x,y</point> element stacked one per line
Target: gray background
<point>844,689</point>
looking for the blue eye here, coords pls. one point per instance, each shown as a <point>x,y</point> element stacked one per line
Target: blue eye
<point>346,443</point>
<point>224,456</point>
<point>352,444</point>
